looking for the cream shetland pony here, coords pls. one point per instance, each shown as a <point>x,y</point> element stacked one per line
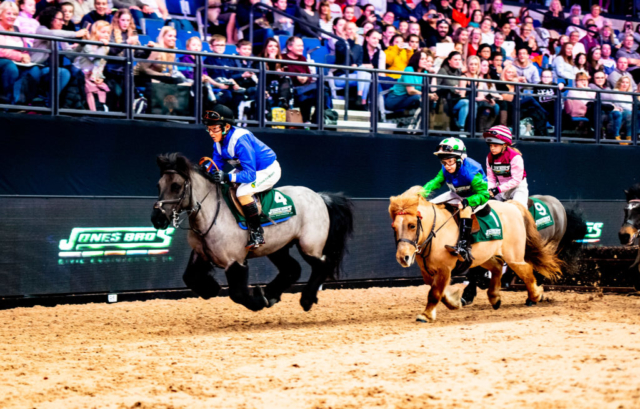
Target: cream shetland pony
<point>423,229</point>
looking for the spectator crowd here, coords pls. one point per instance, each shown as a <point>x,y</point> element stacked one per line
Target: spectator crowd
<point>460,39</point>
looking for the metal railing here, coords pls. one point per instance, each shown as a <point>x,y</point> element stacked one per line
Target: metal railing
<point>321,76</point>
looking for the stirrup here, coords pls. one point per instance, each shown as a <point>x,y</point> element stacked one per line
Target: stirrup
<point>256,240</point>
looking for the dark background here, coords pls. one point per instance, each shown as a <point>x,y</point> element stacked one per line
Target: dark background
<point>59,159</point>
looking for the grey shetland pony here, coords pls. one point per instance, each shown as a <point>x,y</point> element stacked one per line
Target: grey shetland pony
<point>320,230</point>
<point>568,226</point>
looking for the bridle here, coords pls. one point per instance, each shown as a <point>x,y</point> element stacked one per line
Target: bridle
<point>177,210</point>
<point>420,248</point>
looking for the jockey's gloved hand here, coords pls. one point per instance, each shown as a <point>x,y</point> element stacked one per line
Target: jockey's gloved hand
<point>495,191</point>
<point>220,176</point>
<point>465,203</point>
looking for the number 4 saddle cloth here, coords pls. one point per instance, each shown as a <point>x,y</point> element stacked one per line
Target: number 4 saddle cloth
<point>540,212</point>
<point>276,206</point>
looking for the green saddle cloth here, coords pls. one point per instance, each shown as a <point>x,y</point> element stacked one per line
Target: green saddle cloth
<point>541,214</point>
<point>490,228</point>
<point>275,204</point>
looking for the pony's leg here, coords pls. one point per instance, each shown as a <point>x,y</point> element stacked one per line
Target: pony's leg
<point>452,298</point>
<point>320,271</point>
<point>289,271</point>
<point>198,279</point>
<point>238,280</point>
<point>525,272</point>
<point>495,266</point>
<point>438,286</point>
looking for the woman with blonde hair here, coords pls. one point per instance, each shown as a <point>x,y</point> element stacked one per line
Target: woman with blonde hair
<point>93,66</point>
<point>326,22</point>
<point>554,19</point>
<point>148,71</point>
<point>623,107</point>
<point>123,30</point>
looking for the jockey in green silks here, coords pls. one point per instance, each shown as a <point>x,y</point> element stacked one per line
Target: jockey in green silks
<point>468,188</point>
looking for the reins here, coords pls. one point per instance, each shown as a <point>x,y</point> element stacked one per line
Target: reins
<point>426,244</point>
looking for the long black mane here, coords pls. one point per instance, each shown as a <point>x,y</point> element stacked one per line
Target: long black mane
<point>633,192</point>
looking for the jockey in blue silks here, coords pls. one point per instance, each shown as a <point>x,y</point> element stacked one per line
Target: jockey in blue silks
<point>256,168</point>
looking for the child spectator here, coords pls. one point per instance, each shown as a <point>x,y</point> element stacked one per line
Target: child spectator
<point>67,15</point>
<point>223,78</point>
<point>92,66</point>
<point>245,79</point>
<point>101,13</point>
<point>283,25</point>
<point>25,22</point>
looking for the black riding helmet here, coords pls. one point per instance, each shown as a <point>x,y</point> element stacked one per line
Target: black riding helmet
<point>219,115</point>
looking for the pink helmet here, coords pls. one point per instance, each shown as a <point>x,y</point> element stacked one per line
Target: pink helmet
<point>498,134</point>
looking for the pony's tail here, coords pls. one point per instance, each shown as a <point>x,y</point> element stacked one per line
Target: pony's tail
<point>569,250</point>
<point>539,255</point>
<point>340,228</point>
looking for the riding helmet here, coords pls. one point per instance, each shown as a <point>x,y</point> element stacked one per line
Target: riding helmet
<point>451,148</point>
<point>219,115</point>
<point>499,134</point>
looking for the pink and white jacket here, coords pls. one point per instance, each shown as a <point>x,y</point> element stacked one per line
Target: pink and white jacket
<point>13,55</point>
<point>505,171</point>
<point>27,25</point>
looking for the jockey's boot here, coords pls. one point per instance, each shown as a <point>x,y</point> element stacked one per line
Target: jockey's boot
<point>463,248</point>
<point>256,238</point>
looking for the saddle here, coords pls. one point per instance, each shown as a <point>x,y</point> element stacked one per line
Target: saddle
<point>231,193</point>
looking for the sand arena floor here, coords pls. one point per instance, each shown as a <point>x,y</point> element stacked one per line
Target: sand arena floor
<point>358,348</point>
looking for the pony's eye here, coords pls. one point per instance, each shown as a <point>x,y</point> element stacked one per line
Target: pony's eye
<point>412,226</point>
<point>175,187</point>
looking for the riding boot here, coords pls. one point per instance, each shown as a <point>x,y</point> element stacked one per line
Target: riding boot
<point>252,215</point>
<point>463,247</point>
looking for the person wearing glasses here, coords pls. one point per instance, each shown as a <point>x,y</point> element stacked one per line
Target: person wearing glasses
<point>256,168</point>
<point>468,189</point>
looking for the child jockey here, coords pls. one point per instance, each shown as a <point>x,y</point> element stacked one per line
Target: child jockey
<point>467,188</point>
<point>505,167</point>
<point>256,167</point>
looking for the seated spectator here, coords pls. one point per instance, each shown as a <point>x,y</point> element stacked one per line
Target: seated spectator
<point>403,28</point>
<point>476,19</point>
<point>609,37</point>
<point>67,15</point>
<point>158,7</point>
<point>580,63</point>
<point>80,9</point>
<point>495,66</point>
<point>484,52</point>
<point>592,39</point>
<point>306,12</point>
<point>577,108</point>
<point>147,72</point>
<point>497,45</point>
<point>627,28</point>
<point>506,105</point>
<point>245,79</point>
<point>554,19</point>
<point>278,86</point>
<point>326,21</point>
<point>261,22</point>
<point>380,6</point>
<point>422,8</point>
<point>461,36</point>
<point>373,58</point>
<point>92,66</point>
<point>388,19</point>
<point>14,77</point>
<point>595,15</point>
<point>460,13</point>
<point>399,9</point>
<point>51,24</point>
<point>623,107</point>
<point>628,51</point>
<point>355,55</point>
<point>304,88</point>
<point>368,15</point>
<point>472,72</point>
<point>486,31</point>
<point>223,77</point>
<point>547,96</point>
<point>578,47</point>
<point>599,82</point>
<point>25,22</point>
<point>607,62</point>
<point>475,39</point>
<point>214,93</point>
<point>487,107</point>
<point>527,71</point>
<point>594,63</point>
<point>101,13</point>
<point>336,10</point>
<point>452,66</point>
<point>398,57</point>
<point>340,30</point>
<point>348,13</point>
<point>441,34</point>
<point>510,34</point>
<point>283,25</point>
<point>387,35</point>
<point>444,8</point>
<point>414,29</point>
<point>138,9</point>
<point>621,71</point>
<point>564,70</point>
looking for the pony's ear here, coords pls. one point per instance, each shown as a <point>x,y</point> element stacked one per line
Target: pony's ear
<point>182,165</point>
<point>162,161</point>
<point>626,194</point>
<point>393,207</point>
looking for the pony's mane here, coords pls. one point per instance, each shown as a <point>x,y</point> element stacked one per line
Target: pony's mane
<point>180,163</point>
<point>633,192</point>
<point>406,203</point>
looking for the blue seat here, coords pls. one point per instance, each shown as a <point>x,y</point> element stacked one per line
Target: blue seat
<point>329,59</point>
<point>318,55</point>
<point>206,47</point>
<point>183,7</point>
<point>282,39</point>
<point>309,44</point>
<point>537,24</point>
<point>144,39</point>
<point>183,36</point>
<point>152,27</point>
<point>230,49</point>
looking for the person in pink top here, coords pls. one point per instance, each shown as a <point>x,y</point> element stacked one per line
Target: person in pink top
<point>505,167</point>
<point>25,21</point>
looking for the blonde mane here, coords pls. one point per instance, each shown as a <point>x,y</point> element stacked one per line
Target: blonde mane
<point>407,202</point>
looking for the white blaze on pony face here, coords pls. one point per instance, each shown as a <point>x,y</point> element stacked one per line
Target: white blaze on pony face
<point>405,228</point>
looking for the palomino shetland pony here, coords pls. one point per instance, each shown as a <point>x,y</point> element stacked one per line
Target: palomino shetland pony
<point>424,229</point>
<point>320,230</point>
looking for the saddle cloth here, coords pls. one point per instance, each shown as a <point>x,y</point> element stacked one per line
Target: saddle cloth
<point>485,227</point>
<point>275,206</point>
<point>540,212</point>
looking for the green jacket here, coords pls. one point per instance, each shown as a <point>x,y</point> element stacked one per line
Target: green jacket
<point>469,182</point>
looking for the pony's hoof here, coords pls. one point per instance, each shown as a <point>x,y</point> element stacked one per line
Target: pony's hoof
<point>272,302</point>
<point>307,303</point>
<point>464,302</point>
<point>497,305</point>
<point>421,318</point>
<point>530,303</point>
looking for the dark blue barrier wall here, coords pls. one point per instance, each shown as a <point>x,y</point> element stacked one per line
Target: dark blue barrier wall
<point>63,156</point>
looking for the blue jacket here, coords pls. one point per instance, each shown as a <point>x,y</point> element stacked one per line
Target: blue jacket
<point>220,72</point>
<point>243,150</point>
<point>460,182</point>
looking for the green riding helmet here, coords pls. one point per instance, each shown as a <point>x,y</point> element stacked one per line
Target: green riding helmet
<point>451,148</point>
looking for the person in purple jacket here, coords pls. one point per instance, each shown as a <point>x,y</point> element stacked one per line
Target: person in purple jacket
<point>256,166</point>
